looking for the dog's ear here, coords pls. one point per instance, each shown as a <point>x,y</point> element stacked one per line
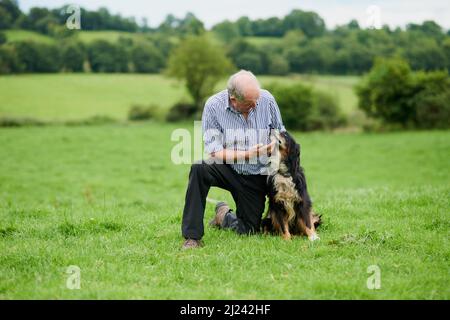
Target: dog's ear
<point>293,156</point>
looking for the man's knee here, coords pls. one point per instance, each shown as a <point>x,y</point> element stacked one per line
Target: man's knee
<point>249,227</point>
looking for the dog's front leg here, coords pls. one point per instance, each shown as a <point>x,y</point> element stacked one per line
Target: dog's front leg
<point>310,232</point>
<point>286,234</point>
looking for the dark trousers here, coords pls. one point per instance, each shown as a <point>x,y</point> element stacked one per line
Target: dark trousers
<point>248,191</point>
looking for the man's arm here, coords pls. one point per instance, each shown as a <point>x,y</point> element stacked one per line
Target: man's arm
<point>275,114</point>
<point>230,156</point>
<point>213,140</point>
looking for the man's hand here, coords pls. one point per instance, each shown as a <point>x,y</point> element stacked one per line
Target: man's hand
<point>260,149</point>
<point>230,156</point>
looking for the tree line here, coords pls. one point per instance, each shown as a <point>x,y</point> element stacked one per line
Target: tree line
<point>298,43</point>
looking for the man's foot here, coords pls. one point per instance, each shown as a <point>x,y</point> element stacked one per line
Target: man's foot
<point>192,243</point>
<point>221,210</point>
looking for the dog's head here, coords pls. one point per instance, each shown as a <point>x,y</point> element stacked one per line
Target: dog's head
<point>286,156</point>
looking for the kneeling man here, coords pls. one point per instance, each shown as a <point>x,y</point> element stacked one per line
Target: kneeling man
<point>230,121</point>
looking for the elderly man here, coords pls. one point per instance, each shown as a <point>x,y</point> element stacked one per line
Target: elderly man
<point>229,121</point>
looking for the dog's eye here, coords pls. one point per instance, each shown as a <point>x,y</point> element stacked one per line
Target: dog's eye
<point>279,141</point>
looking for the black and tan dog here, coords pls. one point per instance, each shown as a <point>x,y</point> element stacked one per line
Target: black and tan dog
<point>290,208</point>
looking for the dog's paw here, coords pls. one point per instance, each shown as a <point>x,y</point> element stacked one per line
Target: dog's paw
<point>314,237</point>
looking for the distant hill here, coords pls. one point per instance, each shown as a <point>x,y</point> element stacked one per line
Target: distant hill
<point>112,36</point>
<point>21,35</point>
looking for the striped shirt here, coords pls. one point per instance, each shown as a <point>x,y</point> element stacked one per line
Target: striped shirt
<point>226,128</point>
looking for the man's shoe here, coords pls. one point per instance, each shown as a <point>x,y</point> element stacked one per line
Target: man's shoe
<point>192,243</point>
<point>221,210</point>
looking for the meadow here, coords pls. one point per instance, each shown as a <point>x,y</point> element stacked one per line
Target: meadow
<point>79,96</point>
<point>108,199</point>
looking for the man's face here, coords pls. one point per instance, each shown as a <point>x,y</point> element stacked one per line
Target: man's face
<point>248,103</point>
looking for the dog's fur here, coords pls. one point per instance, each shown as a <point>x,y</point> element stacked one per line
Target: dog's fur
<point>290,208</point>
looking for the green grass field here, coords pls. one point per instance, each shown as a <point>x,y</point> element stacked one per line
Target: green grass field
<point>112,36</point>
<point>23,35</point>
<point>109,200</point>
<point>261,41</point>
<point>78,96</point>
<point>84,36</point>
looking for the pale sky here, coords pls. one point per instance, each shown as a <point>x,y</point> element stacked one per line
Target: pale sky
<point>334,12</point>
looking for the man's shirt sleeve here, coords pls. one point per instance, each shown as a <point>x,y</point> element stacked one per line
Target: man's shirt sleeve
<point>277,122</point>
<point>212,134</point>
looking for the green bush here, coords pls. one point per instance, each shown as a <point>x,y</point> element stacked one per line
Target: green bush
<point>247,56</point>
<point>20,122</point>
<point>147,58</point>
<point>325,113</point>
<point>91,121</point>
<point>2,38</point>
<point>278,65</point>
<point>396,95</point>
<point>73,56</point>
<point>5,19</point>
<point>201,64</point>
<point>303,108</point>
<point>432,100</point>
<point>295,103</point>
<point>107,57</point>
<point>9,60</point>
<point>138,112</point>
<point>182,111</point>
<point>38,57</point>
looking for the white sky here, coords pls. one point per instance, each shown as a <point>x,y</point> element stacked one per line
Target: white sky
<point>334,12</point>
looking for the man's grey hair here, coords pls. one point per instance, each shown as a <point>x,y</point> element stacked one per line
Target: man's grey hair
<point>236,84</point>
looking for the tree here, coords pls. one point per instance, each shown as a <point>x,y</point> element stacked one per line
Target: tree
<point>2,38</point>
<point>293,38</point>
<point>272,27</point>
<point>353,24</point>
<point>73,56</point>
<point>147,58</point>
<point>226,31</point>
<point>250,61</point>
<point>9,60</point>
<point>12,7</point>
<point>385,92</point>
<point>244,26</point>
<point>40,20</point>
<point>107,57</point>
<point>278,65</point>
<point>296,104</point>
<point>248,56</point>
<point>429,28</point>
<point>190,25</point>
<point>446,48</point>
<point>200,64</point>
<point>9,13</point>
<point>424,53</point>
<point>310,23</point>
<point>5,19</point>
<point>395,94</point>
<point>431,100</point>
<point>38,57</point>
